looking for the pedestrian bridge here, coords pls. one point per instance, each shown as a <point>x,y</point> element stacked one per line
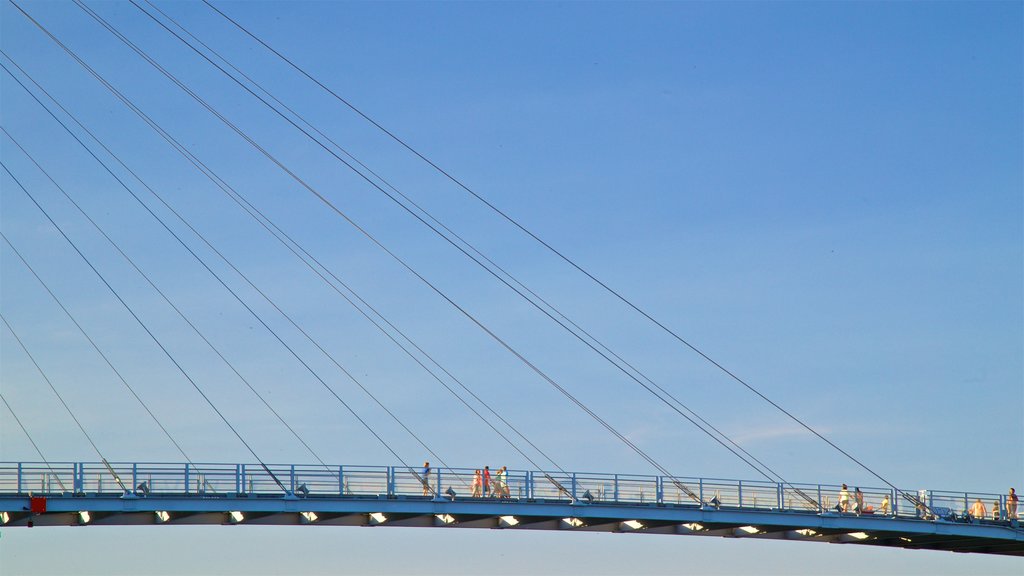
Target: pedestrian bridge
<point>86,493</point>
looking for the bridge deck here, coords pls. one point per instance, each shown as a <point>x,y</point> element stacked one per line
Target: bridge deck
<point>33,494</point>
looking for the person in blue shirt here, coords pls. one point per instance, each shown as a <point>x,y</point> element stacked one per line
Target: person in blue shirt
<point>425,478</point>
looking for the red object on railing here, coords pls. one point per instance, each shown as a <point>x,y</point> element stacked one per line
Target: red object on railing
<point>37,505</point>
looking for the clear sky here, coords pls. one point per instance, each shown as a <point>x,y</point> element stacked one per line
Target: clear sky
<point>826,198</point>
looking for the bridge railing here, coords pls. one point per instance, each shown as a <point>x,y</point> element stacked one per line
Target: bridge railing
<point>980,505</point>
<point>212,480</point>
<point>616,488</point>
<point>22,478</point>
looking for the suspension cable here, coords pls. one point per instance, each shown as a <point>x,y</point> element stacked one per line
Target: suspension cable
<point>96,347</point>
<point>550,248</point>
<point>604,351</point>
<point>53,472</point>
<point>363,231</point>
<point>147,330</point>
<point>61,398</point>
<point>237,297</point>
<point>165,297</point>
<point>257,215</point>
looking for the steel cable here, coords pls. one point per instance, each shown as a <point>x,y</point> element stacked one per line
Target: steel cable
<point>550,248</point>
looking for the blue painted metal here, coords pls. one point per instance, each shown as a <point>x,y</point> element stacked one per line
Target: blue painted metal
<point>341,494</point>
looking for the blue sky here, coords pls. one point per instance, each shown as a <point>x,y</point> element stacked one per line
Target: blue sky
<point>824,197</point>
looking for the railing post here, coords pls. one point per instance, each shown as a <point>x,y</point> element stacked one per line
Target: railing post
<point>243,476</point>
<point>782,497</point>
<point>740,489</point>
<point>659,489</point>
<point>821,506</point>
<point>391,480</point>
<point>573,494</point>
<point>895,503</point>
<point>135,476</point>
<point>930,498</point>
<point>529,484</point>
<point>437,483</point>
<point>700,490</point>
<point>341,480</point>
<point>239,481</point>
<point>291,479</point>
<point>616,487</point>
<point>19,477</point>
<point>187,480</point>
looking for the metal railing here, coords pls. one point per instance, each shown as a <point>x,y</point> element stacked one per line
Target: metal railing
<point>216,480</point>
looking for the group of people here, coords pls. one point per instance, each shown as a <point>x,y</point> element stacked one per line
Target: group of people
<point>977,510</point>
<point>858,502</point>
<point>484,485</point>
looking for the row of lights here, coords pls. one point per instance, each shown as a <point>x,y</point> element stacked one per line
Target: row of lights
<point>84,517</point>
<point>378,518</point>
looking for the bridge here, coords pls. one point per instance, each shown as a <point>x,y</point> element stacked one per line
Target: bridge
<point>167,494</point>
<point>130,280</point>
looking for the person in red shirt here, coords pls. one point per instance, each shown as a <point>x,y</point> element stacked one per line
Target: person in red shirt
<point>487,481</point>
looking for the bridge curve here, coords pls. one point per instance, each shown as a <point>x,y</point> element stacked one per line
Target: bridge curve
<point>79,494</point>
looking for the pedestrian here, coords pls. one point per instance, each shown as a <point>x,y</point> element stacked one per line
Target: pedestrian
<point>1011,505</point>
<point>859,498</point>
<point>425,478</point>
<point>844,499</point>
<point>978,510</point>
<point>884,508</point>
<point>487,482</point>
<point>476,484</point>
<point>501,482</point>
<point>995,510</point>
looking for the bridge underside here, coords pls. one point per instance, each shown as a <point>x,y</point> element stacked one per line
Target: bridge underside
<point>518,515</point>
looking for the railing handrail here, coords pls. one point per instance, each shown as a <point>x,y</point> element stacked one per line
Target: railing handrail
<point>665,483</point>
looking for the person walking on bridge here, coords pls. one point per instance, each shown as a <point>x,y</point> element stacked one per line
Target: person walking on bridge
<point>844,499</point>
<point>425,478</point>
<point>501,482</point>
<point>978,510</point>
<point>476,484</point>
<point>1011,505</point>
